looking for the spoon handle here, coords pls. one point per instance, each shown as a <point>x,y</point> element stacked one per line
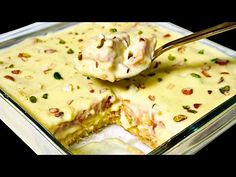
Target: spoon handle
<point>226,26</point>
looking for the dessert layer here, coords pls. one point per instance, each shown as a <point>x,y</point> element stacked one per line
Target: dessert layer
<point>182,85</point>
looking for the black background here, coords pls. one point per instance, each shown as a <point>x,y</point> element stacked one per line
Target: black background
<point>192,15</point>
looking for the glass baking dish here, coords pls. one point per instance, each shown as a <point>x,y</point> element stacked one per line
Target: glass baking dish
<point>188,141</point>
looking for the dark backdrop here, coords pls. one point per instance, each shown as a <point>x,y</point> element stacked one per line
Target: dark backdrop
<point>224,144</point>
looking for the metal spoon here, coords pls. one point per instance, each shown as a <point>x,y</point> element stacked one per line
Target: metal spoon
<point>223,27</point>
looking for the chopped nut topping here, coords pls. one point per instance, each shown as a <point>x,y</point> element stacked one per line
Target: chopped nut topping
<point>192,111</point>
<point>224,73</point>
<point>186,107</point>
<point>16,71</point>
<point>113,30</point>
<point>166,35</point>
<point>70,51</point>
<point>181,49</point>
<point>225,90</point>
<point>9,78</point>
<point>195,75</point>
<point>46,69</point>
<point>154,106</point>
<point>171,57</point>
<point>197,105</point>
<point>101,43</point>
<point>33,99</point>
<point>70,102</point>
<point>59,114</point>
<point>156,64</point>
<point>179,118</point>
<point>24,55</point>
<point>80,56</point>
<point>45,96</point>
<point>37,40</point>
<point>151,97</point>
<point>220,61</point>
<point>50,51</point>
<point>201,52</point>
<point>209,91</point>
<point>61,41</point>
<point>130,54</point>
<point>140,32</point>
<point>159,79</point>
<point>54,110</point>
<point>92,91</point>
<point>221,80</point>
<point>142,40</point>
<point>187,91</point>
<point>57,76</point>
<point>205,73</point>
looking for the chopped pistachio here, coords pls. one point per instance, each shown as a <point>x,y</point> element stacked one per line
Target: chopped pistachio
<point>78,87</point>
<point>100,43</point>
<point>1,62</point>
<point>70,51</point>
<point>185,60</point>
<point>33,99</point>
<point>201,52</point>
<point>179,118</point>
<point>37,40</point>
<point>45,96</point>
<point>11,66</point>
<point>62,41</point>
<point>186,107</point>
<point>171,57</point>
<point>140,32</point>
<point>24,55</point>
<point>113,30</point>
<point>192,111</point>
<point>224,89</point>
<point>195,75</point>
<point>57,76</point>
<point>159,79</point>
<point>214,59</point>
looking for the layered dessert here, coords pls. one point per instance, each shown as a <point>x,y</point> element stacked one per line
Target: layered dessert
<point>59,80</point>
